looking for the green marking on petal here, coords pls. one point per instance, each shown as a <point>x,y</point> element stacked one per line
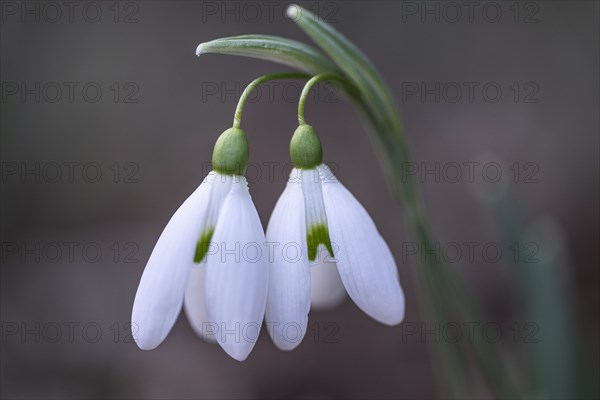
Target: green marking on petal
<point>316,235</point>
<point>202,245</point>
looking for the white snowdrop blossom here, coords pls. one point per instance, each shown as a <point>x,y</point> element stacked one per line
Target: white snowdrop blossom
<point>193,259</point>
<point>316,210</point>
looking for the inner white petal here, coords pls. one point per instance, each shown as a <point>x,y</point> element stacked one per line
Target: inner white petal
<point>195,307</point>
<point>327,289</point>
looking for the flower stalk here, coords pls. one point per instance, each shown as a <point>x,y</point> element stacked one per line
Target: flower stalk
<point>237,118</point>
<point>309,85</point>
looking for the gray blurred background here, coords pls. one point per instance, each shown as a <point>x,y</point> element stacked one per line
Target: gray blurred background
<point>108,122</point>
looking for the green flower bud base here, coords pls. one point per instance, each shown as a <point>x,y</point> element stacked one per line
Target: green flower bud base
<point>305,148</point>
<point>230,156</point>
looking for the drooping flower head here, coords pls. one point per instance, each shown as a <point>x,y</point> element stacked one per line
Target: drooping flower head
<point>198,257</point>
<point>316,211</point>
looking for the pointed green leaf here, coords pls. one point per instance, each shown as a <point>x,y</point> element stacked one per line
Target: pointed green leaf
<point>272,48</point>
<point>375,98</point>
<point>350,60</point>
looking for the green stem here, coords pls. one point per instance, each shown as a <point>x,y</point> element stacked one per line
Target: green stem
<point>486,354</point>
<point>439,276</point>
<point>312,81</point>
<point>237,118</point>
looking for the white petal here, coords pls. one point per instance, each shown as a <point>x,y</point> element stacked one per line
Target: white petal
<point>195,306</point>
<point>365,262</point>
<point>220,188</point>
<point>160,293</point>
<point>288,301</point>
<point>327,290</point>
<point>237,274</point>
<point>221,184</point>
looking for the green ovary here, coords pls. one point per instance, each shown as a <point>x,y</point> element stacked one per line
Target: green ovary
<point>202,245</point>
<point>316,235</point>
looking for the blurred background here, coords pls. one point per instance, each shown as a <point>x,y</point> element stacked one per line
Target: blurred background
<point>108,122</point>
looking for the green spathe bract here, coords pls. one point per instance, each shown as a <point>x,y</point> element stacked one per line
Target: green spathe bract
<point>316,235</point>
<point>230,156</point>
<point>273,48</point>
<point>305,148</point>
<point>202,244</point>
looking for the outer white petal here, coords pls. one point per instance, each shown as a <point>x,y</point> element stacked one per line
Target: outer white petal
<point>160,293</point>
<point>221,185</point>
<point>237,274</point>
<point>195,305</point>
<point>288,301</point>
<point>327,289</point>
<point>365,262</point>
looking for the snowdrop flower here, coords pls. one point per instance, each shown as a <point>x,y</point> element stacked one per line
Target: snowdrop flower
<point>316,211</point>
<point>226,292</point>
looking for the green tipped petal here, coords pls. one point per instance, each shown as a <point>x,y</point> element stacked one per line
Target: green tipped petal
<point>316,235</point>
<point>202,245</point>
